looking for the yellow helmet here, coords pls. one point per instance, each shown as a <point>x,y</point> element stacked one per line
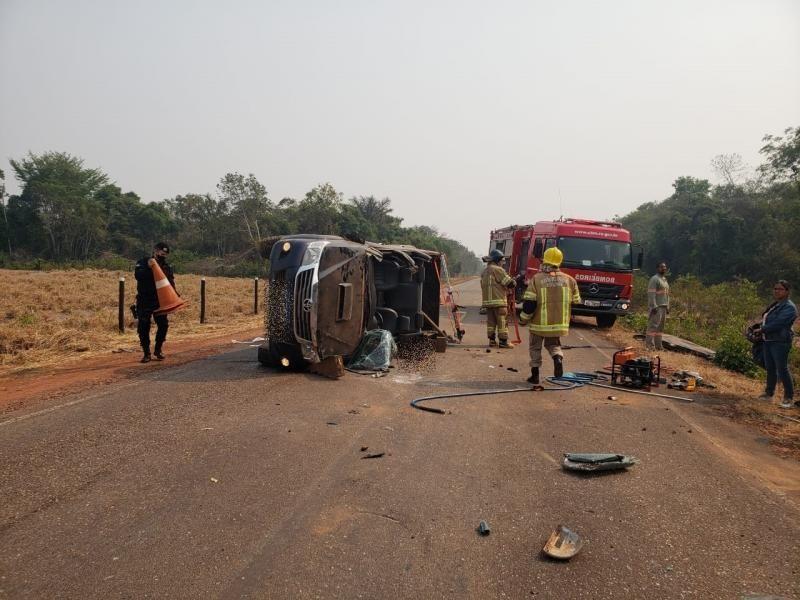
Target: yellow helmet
<point>553,256</point>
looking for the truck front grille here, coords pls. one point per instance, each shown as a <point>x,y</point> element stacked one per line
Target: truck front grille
<point>599,291</point>
<point>276,316</point>
<point>303,304</point>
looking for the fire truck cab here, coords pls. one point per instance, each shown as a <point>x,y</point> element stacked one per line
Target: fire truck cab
<point>598,254</point>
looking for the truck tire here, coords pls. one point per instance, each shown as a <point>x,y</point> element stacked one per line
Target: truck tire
<point>606,321</point>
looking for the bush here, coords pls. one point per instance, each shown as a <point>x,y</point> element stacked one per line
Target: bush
<point>636,322</point>
<point>734,352</point>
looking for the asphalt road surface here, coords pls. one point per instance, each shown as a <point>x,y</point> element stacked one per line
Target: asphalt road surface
<point>222,479</point>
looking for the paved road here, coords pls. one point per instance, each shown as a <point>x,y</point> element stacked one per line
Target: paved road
<point>222,479</point>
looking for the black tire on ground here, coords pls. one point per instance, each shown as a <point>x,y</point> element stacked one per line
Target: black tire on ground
<point>606,321</point>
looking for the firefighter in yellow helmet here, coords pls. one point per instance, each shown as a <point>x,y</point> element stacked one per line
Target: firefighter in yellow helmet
<point>547,308</point>
<point>495,283</point>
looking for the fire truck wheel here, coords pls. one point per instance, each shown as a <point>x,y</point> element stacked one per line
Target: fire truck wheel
<point>606,321</point>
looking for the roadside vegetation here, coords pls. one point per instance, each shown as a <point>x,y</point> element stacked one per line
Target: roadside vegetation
<point>51,317</point>
<point>725,245</point>
<point>70,215</point>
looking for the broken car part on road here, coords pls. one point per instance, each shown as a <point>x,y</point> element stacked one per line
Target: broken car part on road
<point>594,462</point>
<point>563,544</point>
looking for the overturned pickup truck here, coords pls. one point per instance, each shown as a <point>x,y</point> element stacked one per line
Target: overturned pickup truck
<point>325,292</point>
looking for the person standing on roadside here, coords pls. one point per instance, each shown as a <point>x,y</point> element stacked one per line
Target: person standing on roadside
<point>658,305</point>
<point>547,306</point>
<point>147,300</point>
<point>495,283</point>
<point>776,328</point>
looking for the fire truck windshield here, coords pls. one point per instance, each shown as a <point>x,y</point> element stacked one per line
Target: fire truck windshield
<point>590,253</point>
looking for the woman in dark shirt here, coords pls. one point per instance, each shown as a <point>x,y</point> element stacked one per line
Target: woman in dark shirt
<point>776,328</point>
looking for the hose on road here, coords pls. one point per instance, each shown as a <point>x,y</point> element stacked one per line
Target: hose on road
<point>569,381</point>
<point>560,387</point>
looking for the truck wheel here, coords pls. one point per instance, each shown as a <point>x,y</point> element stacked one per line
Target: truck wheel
<point>606,321</point>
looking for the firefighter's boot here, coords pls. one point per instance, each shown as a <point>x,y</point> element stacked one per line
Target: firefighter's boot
<point>558,366</point>
<point>492,341</point>
<point>534,378</point>
<point>157,354</point>
<point>146,358</point>
<point>505,344</point>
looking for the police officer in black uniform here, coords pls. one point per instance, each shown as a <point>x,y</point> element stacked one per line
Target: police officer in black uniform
<point>147,300</point>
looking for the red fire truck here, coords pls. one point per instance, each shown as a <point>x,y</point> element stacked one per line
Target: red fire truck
<point>598,254</point>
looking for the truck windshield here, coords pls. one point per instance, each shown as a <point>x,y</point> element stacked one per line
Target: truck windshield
<point>595,254</point>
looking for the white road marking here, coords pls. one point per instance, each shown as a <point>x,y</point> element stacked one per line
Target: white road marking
<point>45,411</point>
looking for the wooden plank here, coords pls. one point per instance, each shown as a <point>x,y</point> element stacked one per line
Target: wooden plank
<point>677,344</point>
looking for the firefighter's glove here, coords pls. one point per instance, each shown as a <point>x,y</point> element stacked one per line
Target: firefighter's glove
<point>512,284</point>
<point>529,307</point>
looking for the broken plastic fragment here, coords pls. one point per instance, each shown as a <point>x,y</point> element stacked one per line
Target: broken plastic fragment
<point>563,544</point>
<point>574,461</point>
<point>483,528</point>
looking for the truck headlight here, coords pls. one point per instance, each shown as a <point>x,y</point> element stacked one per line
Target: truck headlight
<point>313,253</point>
<point>286,247</point>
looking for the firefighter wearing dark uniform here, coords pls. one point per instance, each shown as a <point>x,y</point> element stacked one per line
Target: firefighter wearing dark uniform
<point>495,283</point>
<point>547,306</point>
<point>147,300</point>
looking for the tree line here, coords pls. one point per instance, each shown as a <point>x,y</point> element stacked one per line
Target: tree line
<point>67,213</point>
<point>745,227</point>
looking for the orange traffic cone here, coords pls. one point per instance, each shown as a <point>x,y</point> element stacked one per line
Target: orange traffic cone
<point>168,299</point>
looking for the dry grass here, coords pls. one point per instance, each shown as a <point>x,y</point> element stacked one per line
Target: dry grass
<point>47,317</point>
<point>737,394</point>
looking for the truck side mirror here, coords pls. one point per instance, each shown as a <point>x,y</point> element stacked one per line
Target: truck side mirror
<point>640,259</point>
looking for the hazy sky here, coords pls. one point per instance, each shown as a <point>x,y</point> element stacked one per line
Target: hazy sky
<point>468,115</point>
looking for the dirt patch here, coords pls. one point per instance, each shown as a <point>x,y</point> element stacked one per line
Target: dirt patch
<point>25,388</point>
<point>782,434</point>
<point>49,317</point>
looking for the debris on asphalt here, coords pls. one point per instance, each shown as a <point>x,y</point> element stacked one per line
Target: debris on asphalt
<point>685,375</point>
<point>364,448</point>
<point>483,528</point>
<point>586,462</point>
<point>512,369</point>
<point>331,367</point>
<point>214,480</point>
<point>488,351</point>
<point>374,352</point>
<point>612,397</point>
<point>375,455</point>
<point>563,544</point>
<point>331,423</point>
<point>387,428</point>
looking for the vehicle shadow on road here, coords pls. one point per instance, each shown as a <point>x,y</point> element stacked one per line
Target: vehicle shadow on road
<point>237,365</point>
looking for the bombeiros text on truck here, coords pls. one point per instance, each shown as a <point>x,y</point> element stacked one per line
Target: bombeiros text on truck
<point>598,254</point>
